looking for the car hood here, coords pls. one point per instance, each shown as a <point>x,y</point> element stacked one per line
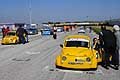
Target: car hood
<point>82,52</point>
<point>9,37</point>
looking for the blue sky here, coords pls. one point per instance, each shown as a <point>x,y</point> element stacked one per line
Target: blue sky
<point>58,10</point>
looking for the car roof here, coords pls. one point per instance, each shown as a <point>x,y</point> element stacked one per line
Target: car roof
<point>83,36</point>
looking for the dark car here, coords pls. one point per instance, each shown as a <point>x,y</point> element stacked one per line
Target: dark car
<point>32,31</point>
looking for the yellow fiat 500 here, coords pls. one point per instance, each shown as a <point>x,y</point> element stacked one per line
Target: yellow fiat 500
<point>77,53</point>
<point>10,38</point>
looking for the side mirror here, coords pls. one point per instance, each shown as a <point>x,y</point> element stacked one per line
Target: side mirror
<point>61,45</point>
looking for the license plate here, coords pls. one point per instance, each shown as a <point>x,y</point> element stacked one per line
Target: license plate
<point>73,63</point>
<point>79,60</point>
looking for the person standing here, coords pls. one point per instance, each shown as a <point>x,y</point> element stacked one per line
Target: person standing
<point>26,35</point>
<point>7,30</point>
<point>115,58</point>
<point>21,32</point>
<point>102,44</point>
<point>90,29</point>
<point>54,35</point>
<point>108,42</point>
<point>3,32</point>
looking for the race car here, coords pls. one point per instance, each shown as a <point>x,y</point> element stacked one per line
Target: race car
<point>10,38</point>
<point>77,53</point>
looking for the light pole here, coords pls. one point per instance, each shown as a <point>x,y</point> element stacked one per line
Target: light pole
<point>30,13</point>
<point>87,18</point>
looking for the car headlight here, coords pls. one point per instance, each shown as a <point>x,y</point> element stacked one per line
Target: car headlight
<point>88,59</point>
<point>97,55</point>
<point>64,58</point>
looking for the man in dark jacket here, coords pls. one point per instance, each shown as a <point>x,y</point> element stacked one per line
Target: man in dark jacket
<point>21,32</point>
<point>108,42</point>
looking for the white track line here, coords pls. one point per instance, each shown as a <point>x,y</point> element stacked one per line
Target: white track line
<point>28,52</point>
<point>70,71</point>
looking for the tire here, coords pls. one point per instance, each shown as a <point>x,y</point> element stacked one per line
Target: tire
<point>2,44</point>
<point>16,42</point>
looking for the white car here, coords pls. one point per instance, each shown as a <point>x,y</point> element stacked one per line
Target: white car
<point>81,31</point>
<point>59,29</point>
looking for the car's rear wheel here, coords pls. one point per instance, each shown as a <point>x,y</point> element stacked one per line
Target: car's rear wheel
<point>2,44</point>
<point>56,66</point>
<point>16,42</point>
<point>94,69</point>
<point>59,67</point>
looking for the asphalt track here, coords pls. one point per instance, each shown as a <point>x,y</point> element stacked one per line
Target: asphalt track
<point>35,61</point>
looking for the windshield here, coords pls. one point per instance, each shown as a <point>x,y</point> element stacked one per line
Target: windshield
<point>76,44</point>
<point>11,34</point>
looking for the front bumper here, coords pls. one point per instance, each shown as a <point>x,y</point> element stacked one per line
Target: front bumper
<point>72,64</point>
<point>7,42</point>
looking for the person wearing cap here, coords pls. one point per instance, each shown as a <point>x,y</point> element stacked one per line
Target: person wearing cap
<point>115,59</point>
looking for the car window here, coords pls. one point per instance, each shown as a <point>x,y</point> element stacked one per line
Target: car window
<point>77,44</point>
<point>46,30</point>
